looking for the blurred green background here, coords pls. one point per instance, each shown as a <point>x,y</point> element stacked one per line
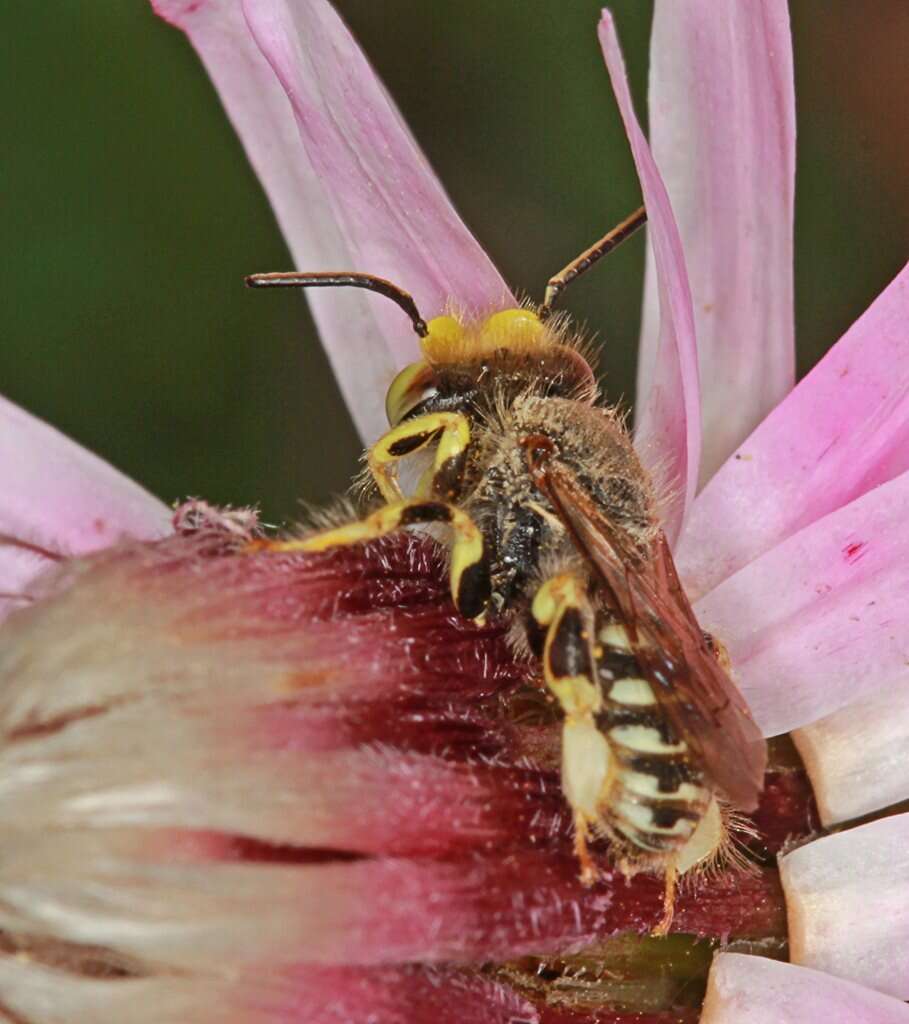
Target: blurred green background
<point>131,216</point>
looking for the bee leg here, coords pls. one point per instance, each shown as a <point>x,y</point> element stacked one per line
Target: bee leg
<point>581,264</point>
<point>562,607</point>
<point>589,872</point>
<point>671,880</point>
<point>452,432</point>
<point>470,582</point>
<point>708,844</point>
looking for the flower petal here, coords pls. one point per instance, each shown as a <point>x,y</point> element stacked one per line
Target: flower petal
<point>262,995</point>
<point>57,499</point>
<point>668,432</point>
<point>350,188</point>
<point>822,620</point>
<point>83,885</point>
<point>722,131</point>
<point>847,901</point>
<point>843,430</point>
<point>858,758</point>
<point>754,990</point>
<point>198,774</point>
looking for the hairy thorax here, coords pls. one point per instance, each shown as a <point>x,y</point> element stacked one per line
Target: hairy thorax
<point>524,536</point>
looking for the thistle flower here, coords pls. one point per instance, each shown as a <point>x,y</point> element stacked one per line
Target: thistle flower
<point>300,788</point>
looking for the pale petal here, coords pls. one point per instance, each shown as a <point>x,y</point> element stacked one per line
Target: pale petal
<point>668,436</point>
<point>722,131</point>
<point>18,567</point>
<point>843,430</point>
<point>123,889</point>
<point>754,990</point>
<point>59,498</point>
<point>203,741</point>
<point>823,619</point>
<point>350,188</point>
<point>847,901</point>
<point>263,994</point>
<point>858,758</point>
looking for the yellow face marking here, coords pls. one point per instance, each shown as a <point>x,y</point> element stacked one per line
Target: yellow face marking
<point>643,739</point>
<point>636,692</point>
<point>406,390</point>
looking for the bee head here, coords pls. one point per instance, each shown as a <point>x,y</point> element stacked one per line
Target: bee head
<point>466,364</point>
<point>511,351</point>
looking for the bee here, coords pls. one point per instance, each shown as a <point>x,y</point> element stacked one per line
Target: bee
<point>555,528</point>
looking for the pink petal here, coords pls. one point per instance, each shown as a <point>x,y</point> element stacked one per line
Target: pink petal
<point>58,498</point>
<point>822,620</point>
<point>843,430</point>
<point>348,184</point>
<point>847,900</point>
<point>340,778</point>
<point>668,435</point>
<point>754,990</point>
<point>858,758</point>
<point>722,130</point>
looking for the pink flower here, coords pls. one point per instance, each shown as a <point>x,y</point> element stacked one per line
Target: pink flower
<point>300,788</point>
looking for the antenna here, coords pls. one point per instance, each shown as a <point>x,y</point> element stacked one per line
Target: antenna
<point>588,257</point>
<point>344,279</point>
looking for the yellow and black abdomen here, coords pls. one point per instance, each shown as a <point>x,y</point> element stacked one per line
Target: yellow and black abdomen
<point>657,795</point>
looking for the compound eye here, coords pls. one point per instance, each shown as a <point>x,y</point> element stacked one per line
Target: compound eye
<point>413,385</point>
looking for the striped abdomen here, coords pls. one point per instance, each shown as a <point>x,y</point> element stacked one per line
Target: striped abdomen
<point>657,797</point>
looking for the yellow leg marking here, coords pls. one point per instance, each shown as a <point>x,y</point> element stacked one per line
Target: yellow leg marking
<point>466,555</point>
<point>561,606</point>
<point>450,429</point>
<point>466,550</point>
<point>553,600</point>
<point>555,594</point>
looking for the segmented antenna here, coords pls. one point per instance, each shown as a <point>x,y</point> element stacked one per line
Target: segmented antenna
<point>581,264</point>
<point>345,279</point>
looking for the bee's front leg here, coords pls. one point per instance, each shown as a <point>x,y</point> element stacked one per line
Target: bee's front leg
<point>452,432</point>
<point>470,580</point>
<point>562,607</point>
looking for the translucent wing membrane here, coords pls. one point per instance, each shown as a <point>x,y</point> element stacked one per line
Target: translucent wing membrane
<point>697,694</point>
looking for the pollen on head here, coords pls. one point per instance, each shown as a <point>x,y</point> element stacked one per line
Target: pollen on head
<point>452,339</point>
<point>443,332</point>
<point>516,322</point>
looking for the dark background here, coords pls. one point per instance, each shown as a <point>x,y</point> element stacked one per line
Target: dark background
<point>130,215</point>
